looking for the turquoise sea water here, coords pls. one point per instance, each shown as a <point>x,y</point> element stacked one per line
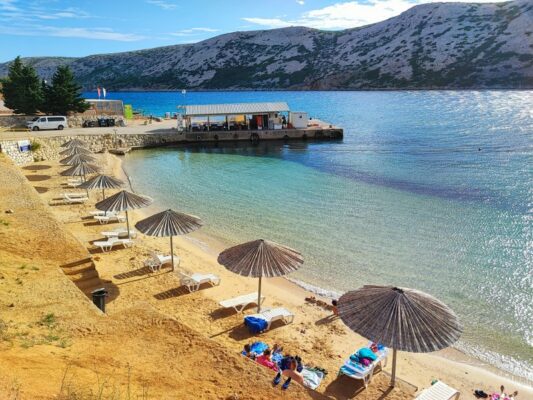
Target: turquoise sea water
<point>430,190</point>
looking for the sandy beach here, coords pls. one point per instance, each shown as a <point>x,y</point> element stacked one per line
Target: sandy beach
<point>125,341</point>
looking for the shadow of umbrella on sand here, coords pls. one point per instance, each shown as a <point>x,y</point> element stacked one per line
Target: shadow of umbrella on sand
<point>400,318</point>
<point>124,201</point>
<point>261,258</point>
<point>102,182</point>
<point>169,223</point>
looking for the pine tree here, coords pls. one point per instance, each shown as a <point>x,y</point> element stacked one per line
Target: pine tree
<point>21,88</point>
<point>64,95</point>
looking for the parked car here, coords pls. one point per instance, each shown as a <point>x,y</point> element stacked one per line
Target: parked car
<point>49,122</point>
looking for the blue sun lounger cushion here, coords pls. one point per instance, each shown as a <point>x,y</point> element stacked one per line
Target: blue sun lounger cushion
<point>255,325</point>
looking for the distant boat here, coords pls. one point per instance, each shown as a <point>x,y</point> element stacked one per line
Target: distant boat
<point>183,91</point>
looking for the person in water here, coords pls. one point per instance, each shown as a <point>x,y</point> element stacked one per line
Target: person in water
<point>291,367</point>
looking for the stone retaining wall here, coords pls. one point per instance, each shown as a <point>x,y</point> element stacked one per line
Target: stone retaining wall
<point>11,149</point>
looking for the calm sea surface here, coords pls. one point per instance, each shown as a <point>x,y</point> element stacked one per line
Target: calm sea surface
<point>429,190</point>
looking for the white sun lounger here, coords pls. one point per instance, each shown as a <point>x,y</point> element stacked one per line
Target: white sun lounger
<point>73,198</point>
<point>241,302</point>
<point>438,391</point>
<point>156,261</point>
<point>120,232</point>
<point>275,314</point>
<point>104,219</point>
<point>363,373</point>
<point>108,244</point>
<point>100,213</point>
<point>193,282</point>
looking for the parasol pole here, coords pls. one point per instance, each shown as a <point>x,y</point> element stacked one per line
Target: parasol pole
<point>172,252</point>
<point>393,379</point>
<point>259,295</point>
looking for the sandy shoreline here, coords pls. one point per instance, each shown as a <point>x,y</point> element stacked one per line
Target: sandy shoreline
<point>314,334</point>
<point>450,358</point>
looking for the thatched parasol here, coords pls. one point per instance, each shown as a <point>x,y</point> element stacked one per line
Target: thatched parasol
<point>81,169</point>
<point>75,150</point>
<point>124,201</point>
<point>400,318</point>
<point>102,182</point>
<point>74,143</point>
<point>261,258</point>
<point>77,158</point>
<point>169,223</point>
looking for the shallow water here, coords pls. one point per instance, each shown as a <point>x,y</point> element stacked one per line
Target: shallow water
<point>430,190</point>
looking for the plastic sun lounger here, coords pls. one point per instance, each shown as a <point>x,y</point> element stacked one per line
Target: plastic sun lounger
<point>360,372</point>
<point>241,302</point>
<point>275,314</point>
<point>193,282</point>
<point>68,198</point>
<point>108,244</point>
<point>100,213</point>
<point>156,261</point>
<point>438,391</point>
<point>75,194</point>
<point>119,233</point>
<point>104,219</point>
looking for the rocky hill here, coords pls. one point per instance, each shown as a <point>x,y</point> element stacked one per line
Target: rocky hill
<point>437,45</point>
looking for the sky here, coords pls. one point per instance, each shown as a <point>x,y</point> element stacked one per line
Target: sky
<point>32,28</point>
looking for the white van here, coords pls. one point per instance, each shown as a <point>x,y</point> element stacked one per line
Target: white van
<point>48,122</point>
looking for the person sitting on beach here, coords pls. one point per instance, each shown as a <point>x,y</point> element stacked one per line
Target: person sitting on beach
<point>290,367</point>
<point>334,303</point>
<point>265,359</point>
<point>247,352</point>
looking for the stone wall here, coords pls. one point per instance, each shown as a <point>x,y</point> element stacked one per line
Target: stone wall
<point>50,147</point>
<point>11,149</point>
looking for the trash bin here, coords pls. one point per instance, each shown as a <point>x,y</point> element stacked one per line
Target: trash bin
<point>111,122</point>
<point>102,122</point>
<point>99,296</point>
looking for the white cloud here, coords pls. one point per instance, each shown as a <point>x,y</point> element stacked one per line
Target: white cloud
<point>193,31</point>
<point>300,2</point>
<point>345,15</point>
<point>165,5</point>
<point>86,33</point>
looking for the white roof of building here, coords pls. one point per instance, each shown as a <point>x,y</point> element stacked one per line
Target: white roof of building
<point>235,108</point>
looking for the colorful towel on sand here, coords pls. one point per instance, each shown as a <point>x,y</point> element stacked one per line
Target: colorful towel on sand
<point>312,377</point>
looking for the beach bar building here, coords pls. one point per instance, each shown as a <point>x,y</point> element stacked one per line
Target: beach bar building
<point>250,121</point>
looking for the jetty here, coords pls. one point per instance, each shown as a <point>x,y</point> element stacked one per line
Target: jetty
<point>250,121</point>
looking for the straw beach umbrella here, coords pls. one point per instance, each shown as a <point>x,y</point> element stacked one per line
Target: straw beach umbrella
<point>74,143</point>
<point>102,182</point>
<point>260,258</point>
<point>77,158</point>
<point>400,318</point>
<point>124,201</point>
<point>81,169</point>
<point>75,150</point>
<point>169,223</point>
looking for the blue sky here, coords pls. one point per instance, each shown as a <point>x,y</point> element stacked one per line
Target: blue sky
<point>79,28</point>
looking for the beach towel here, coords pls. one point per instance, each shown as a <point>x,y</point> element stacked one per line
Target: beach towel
<point>365,352</point>
<point>258,347</point>
<point>255,325</point>
<point>312,377</point>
